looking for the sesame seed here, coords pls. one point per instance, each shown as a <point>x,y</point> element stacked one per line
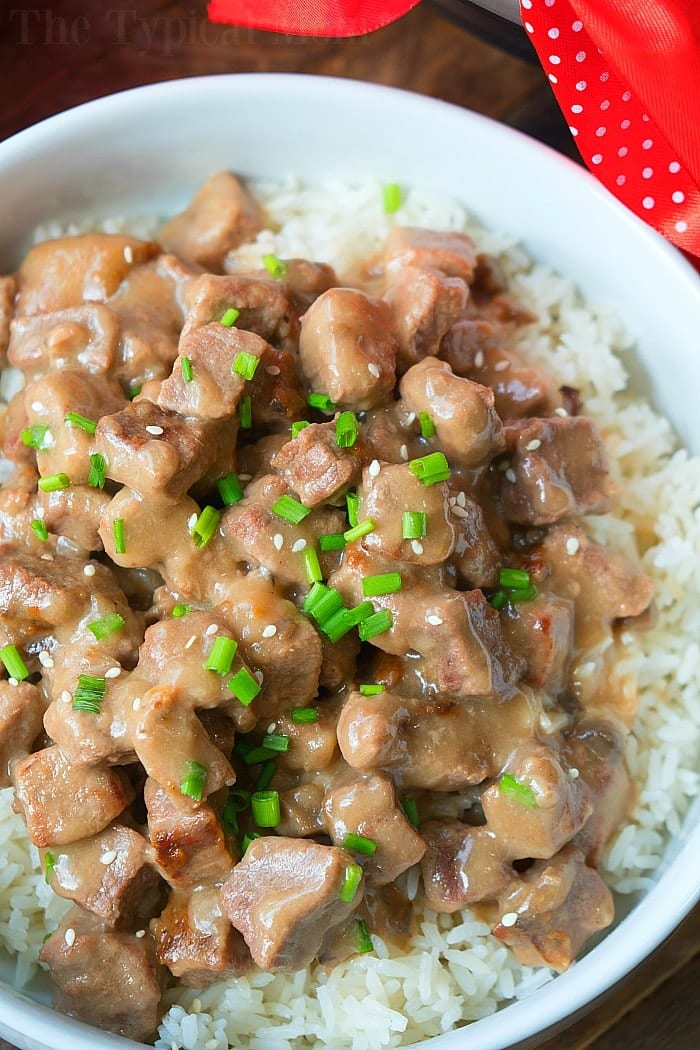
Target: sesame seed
<point>509,919</point>
<point>453,501</point>
<point>191,521</point>
<point>40,513</point>
<point>271,728</point>
<point>479,359</point>
<point>156,431</point>
<point>403,452</point>
<point>66,697</point>
<point>298,545</point>
<point>211,629</point>
<point>278,541</point>
<point>70,937</point>
<point>272,370</point>
<point>44,659</point>
<point>244,477</point>
<point>532,445</point>
<point>258,677</point>
<point>461,499</point>
<point>108,857</point>
<point>433,620</point>
<point>560,412</point>
<point>416,546</point>
<point>113,672</point>
<point>459,512</point>
<point>374,468</point>
<point>136,704</point>
<point>410,418</point>
<point>13,682</point>
<point>37,407</point>
<point>270,631</point>
<point>190,641</point>
<point>574,773</point>
<point>373,370</point>
<point>89,570</point>
<point>128,253</point>
<point>501,366</point>
<point>510,475</point>
<point>572,545</point>
<point>140,934</point>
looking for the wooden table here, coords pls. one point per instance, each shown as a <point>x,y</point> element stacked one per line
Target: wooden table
<point>53,57</point>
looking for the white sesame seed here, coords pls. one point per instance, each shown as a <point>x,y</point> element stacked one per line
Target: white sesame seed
<point>461,499</point>
<point>272,370</point>
<point>211,629</point>
<point>459,512</point>
<point>403,452</point>
<point>108,857</point>
<point>140,934</point>
<point>278,541</point>
<point>136,704</point>
<point>69,937</point>
<point>113,672</point>
<point>453,501</point>
<point>244,477</point>
<point>44,659</point>
<point>509,919</point>
<point>128,253</point>
<point>510,475</point>
<point>501,366</point>
<point>66,697</point>
<point>574,773</point>
<point>373,370</point>
<point>479,359</point>
<point>298,545</point>
<point>191,521</point>
<point>270,631</point>
<point>416,546</point>
<point>190,641</point>
<point>410,418</point>
<point>89,570</point>
<point>37,407</point>
<point>572,545</point>
<point>271,728</point>
<point>560,412</point>
<point>13,682</point>
<point>374,468</point>
<point>156,431</point>
<point>258,677</point>
<point>532,445</point>
<point>40,513</point>
<point>433,620</point>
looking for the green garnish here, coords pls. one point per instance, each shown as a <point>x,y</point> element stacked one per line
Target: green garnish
<point>192,784</point>
<point>379,623</point>
<point>414,524</point>
<point>74,419</point>
<point>98,471</point>
<point>427,427</point>
<point>346,430</point>
<point>49,865</point>
<point>297,427</point>
<point>186,366</point>
<point>247,839</point>
<point>382,583</point>
<point>14,664</point>
<point>245,365</point>
<point>134,392</point>
<point>221,656</point>
<point>54,482</point>
<point>106,625</point>
<point>267,772</point>
<point>237,802</point>
<point>519,792</point>
<point>430,469</point>
<point>360,844</point>
<point>245,413</point>
<point>36,437</point>
<point>274,266</point>
<point>410,808</point>
<point>290,509</point>
<point>391,197</point>
<point>312,566</point>
<point>265,807</point>
<point>364,941</point>
<point>244,686</point>
<point>352,877</point>
<point>39,529</point>
<point>361,529</point>
<point>517,579</point>
<point>276,742</point>
<point>181,610</point>
<point>229,317</point>
<point>527,595</point>
<point>205,526</point>
<point>322,602</point>
<point>89,694</point>
<point>230,489</point>
<point>320,401</point>
<point>498,600</point>
<point>372,688</point>
<point>118,533</point>
<point>253,756</point>
<point>352,502</point>
<point>332,541</point>
<point>303,716</point>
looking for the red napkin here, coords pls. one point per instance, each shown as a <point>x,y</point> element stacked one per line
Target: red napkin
<point>626,74</point>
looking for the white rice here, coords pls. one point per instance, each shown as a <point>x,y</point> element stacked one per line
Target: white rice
<point>456,970</point>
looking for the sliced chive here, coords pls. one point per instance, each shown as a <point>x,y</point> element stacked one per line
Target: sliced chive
<point>372,688</point>
<point>265,807</point>
<point>230,489</point>
<point>346,430</point>
<point>361,529</point>
<point>364,941</point>
<point>54,482</point>
<point>274,266</point>
<point>352,502</point>
<point>39,529</point>
<point>119,538</point>
<point>229,317</point>
<point>516,579</point>
<point>527,595</point>
<point>352,877</point>
<point>134,391</point>
<point>245,365</point>
<point>192,784</point>
<point>519,792</point>
<point>49,865</point>
<point>312,566</point>
<point>332,541</point>
<point>106,625</point>
<point>89,694</point>
<point>276,742</point>
<point>181,610</point>
<point>247,839</point>
<point>290,510</point>
<point>205,526</point>
<point>414,524</point>
<point>322,602</point>
<point>253,756</point>
<point>297,427</point>
<point>382,583</point>
<point>221,656</point>
<point>74,419</point>
<point>245,413</point>
<point>391,197</point>
<point>304,716</point>
<point>360,844</point>
<point>498,600</point>
<point>244,686</point>
<point>430,469</point>
<point>410,808</point>
<point>186,366</point>
<point>337,625</point>
<point>379,623</point>
<point>267,772</point>
<point>360,612</point>
<point>320,401</point>
<point>427,427</point>
<point>98,471</point>
<point>37,437</point>
<point>14,664</point>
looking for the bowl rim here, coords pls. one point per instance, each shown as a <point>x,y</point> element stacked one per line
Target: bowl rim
<point>658,911</point>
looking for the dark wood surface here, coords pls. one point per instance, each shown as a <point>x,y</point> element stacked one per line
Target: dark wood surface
<point>56,56</point>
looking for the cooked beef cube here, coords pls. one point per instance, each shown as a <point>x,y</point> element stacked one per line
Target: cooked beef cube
<point>542,632</point>
<point>368,807</point>
<point>58,274</point>
<point>109,875</point>
<point>18,509</point>
<point>557,468</point>
<point>221,216</point>
<point>558,906</point>
<point>314,467</point>
<point>347,348</point>
<point>338,661</point>
<point>221,730</point>
<point>389,435</point>
<point>21,713</point>
<point>8,289</point>
<point>255,460</point>
<point>312,746</point>
<point>467,426</point>
<point>476,556</point>
<point>81,337</point>
<point>284,896</point>
<point>276,393</point>
<point>594,750</point>
<point>215,390</point>
<point>304,281</point>
<point>263,307</point>
<point>423,306</point>
<point>302,811</point>
<point>107,978</point>
<point>453,254</point>
<point>195,940</point>
<point>75,512</point>
<point>462,865</point>
<point>187,838</point>
<point>539,808</point>
<point>63,803</point>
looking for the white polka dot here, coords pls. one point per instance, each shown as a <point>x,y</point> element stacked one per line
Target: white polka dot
<point>623,151</point>
<point>577,26</point>
<point>580,56</point>
<point>581,85</point>
<point>681,226</point>
<point>553,34</point>
<point>554,59</point>
<point>597,158</point>
<point>527,4</point>
<point>624,124</point>
<point>647,173</point>
<point>549,3</point>
<point>600,132</point>
<point>648,203</point>
<point>605,104</point>
<point>604,77</point>
<point>620,180</point>
<point>674,166</point>
<point>645,118</point>
<point>627,96</point>
<point>647,144</point>
<point>574,131</point>
<point>678,197</point>
<point>577,109</point>
<point>552,78</point>
<point>528,27</point>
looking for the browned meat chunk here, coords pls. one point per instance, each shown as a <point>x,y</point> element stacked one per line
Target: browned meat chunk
<point>467,426</point>
<point>557,468</point>
<point>284,896</point>
<point>594,750</point>
<point>542,632</point>
<point>263,307</point>
<point>339,661</point>
<point>476,556</point>
<point>75,512</point>
<point>21,714</point>
<point>62,803</point>
<point>453,254</point>
<point>368,807</point>
<point>221,215</point>
<point>423,305</point>
<point>195,940</point>
<point>81,337</point>
<point>187,838</point>
<point>536,807</point>
<point>347,348</point>
<point>312,746</point>
<point>107,978</point>
<point>301,811</point>
<point>462,865</point>
<point>314,467</point>
<point>8,288</point>
<point>276,393</point>
<point>392,435</point>
<point>108,875</point>
<point>18,509</point>
<point>558,906</point>
<point>304,281</point>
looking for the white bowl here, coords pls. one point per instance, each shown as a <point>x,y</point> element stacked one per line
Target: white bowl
<point>144,151</point>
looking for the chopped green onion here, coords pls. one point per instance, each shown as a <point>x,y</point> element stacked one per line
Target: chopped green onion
<point>134,392</point>
<point>352,877</point>
<point>267,772</point>
<point>304,716</point>
<point>337,626</point>
<point>414,524</point>
<point>244,686</point>
<point>360,612</point>
<point>519,792</point>
<point>253,756</point>
<point>360,530</point>
<point>372,689</point>
<point>245,365</point>
<point>297,427</point>
<point>192,784</point>
<point>229,816</point>
<point>498,600</point>
<point>89,694</point>
<point>82,422</point>
<point>321,402</point>
<point>382,583</point>
<point>276,742</point>
<point>118,533</point>
<point>430,469</point>
<point>528,595</point>
<point>352,501</point>
<point>229,317</point>
<point>230,489</point>
<point>360,844</point>
<point>332,541</point>
<point>245,413</point>
<point>221,656</point>
<point>247,839</point>
<point>14,664</point>
<point>274,266</point>
<point>265,807</point>
<point>364,941</point>
<point>181,610</point>
<point>391,197</point>
<point>54,482</point>
<point>322,602</point>
<point>186,366</point>
<point>106,625</point>
<point>205,526</point>
<point>427,427</point>
<point>379,623</point>
<point>290,509</point>
<point>237,802</point>
<point>49,865</point>
<point>346,430</point>
<point>98,470</point>
<point>35,437</point>
<point>39,529</point>
<point>517,579</point>
<point>312,565</point>
<point>410,808</point>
